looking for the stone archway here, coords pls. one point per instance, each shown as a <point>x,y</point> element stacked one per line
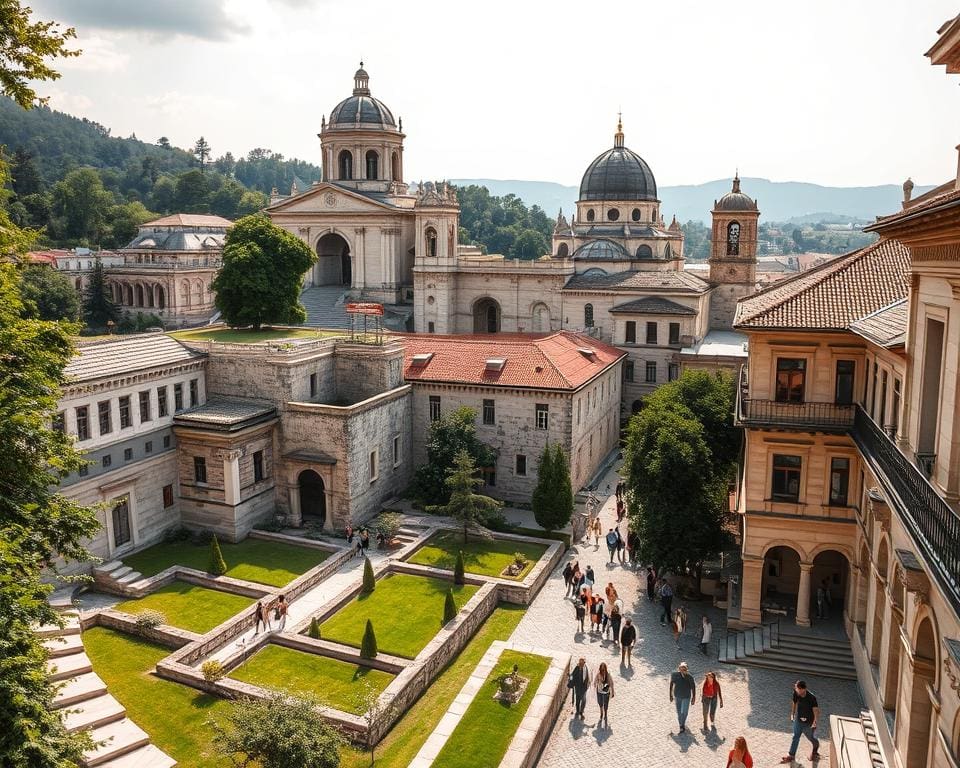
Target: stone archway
<point>914,728</point>
<point>781,581</point>
<point>486,316</point>
<point>334,265</point>
<point>313,498</point>
<point>831,573</point>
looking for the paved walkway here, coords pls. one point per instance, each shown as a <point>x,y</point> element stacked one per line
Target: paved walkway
<point>643,727</point>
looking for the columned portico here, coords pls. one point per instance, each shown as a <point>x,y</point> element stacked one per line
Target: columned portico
<point>803,595</point>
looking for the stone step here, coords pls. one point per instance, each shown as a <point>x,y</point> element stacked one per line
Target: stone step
<point>63,645</point>
<point>119,738</point>
<point>93,713</point>
<point>120,572</point>
<point>107,567</point>
<point>823,645</point>
<point>130,578</point>
<point>68,666</point>
<point>824,654</point>
<point>62,600</point>
<point>147,756</point>
<point>71,627</point>
<point>79,688</point>
<point>793,665</point>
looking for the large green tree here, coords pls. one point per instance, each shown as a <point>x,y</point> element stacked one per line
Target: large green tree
<point>466,506</point>
<point>193,193</point>
<point>553,496</point>
<point>99,308</point>
<point>48,294</point>
<point>26,46</point>
<point>262,274</point>
<point>451,433</point>
<point>79,207</point>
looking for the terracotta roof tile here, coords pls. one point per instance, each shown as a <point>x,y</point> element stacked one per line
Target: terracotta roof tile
<point>833,295</point>
<point>555,361</point>
<point>948,196</point>
<point>886,327</point>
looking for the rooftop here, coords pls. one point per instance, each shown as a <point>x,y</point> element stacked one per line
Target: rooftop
<point>719,344</point>
<point>653,305</point>
<point>660,280</point>
<point>126,354</point>
<point>886,327</point>
<point>563,360</point>
<point>189,220</point>
<point>227,414</point>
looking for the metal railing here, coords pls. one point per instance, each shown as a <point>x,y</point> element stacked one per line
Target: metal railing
<point>774,413</point>
<point>934,526</point>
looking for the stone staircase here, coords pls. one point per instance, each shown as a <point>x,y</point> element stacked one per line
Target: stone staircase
<point>767,647</point>
<point>85,704</point>
<point>325,307</point>
<point>405,536</point>
<point>114,576</point>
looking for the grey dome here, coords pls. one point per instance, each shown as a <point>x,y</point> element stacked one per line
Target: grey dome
<point>618,174</point>
<point>601,250</point>
<point>735,200</point>
<point>366,110</point>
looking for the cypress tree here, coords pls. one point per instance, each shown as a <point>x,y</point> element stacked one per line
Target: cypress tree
<point>458,569</point>
<point>449,607</point>
<point>563,498</point>
<point>314,631</point>
<point>217,565</point>
<point>542,500</point>
<point>98,307</point>
<point>369,582</point>
<point>368,646</point>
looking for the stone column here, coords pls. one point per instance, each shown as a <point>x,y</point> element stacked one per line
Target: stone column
<point>231,475</point>
<point>803,595</point>
<point>295,518</point>
<point>750,612</point>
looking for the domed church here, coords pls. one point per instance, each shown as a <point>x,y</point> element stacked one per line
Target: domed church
<point>615,270</point>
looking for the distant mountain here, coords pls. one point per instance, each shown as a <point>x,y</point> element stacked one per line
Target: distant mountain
<point>778,200</point>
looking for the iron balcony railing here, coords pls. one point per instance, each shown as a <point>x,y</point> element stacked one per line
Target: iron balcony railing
<point>774,413</point>
<point>934,526</point>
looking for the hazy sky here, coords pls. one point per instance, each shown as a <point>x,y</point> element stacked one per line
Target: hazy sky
<point>830,91</point>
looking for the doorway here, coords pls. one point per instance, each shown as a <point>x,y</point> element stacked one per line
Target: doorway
<point>313,498</point>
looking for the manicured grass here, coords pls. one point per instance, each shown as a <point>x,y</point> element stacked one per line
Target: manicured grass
<point>266,562</point>
<point>174,716</point>
<point>486,729</point>
<point>406,737</point>
<point>487,557</point>
<point>406,612</point>
<point>250,336</point>
<point>329,681</point>
<point>189,606</point>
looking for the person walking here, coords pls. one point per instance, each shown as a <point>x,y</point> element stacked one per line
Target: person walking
<point>739,756</point>
<point>349,532</point>
<point>666,601</point>
<point>706,633</point>
<point>823,600</point>
<point>677,626</point>
<point>597,531</point>
<point>621,546</point>
<point>579,682</point>
<point>603,684</point>
<point>567,577</point>
<point>651,583</point>
<point>280,612</point>
<point>611,539</point>
<point>683,692</point>
<point>628,636</point>
<point>710,696</point>
<point>596,613</point>
<point>615,619</point>
<point>364,540</point>
<point>620,486</point>
<point>611,593</point>
<point>804,712</point>
<point>581,613</point>
<point>589,578</point>
<point>258,616</point>
<point>263,618</point>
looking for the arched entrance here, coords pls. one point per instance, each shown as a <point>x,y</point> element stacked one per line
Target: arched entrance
<point>781,581</point>
<point>486,316</point>
<point>830,573</point>
<point>334,266</point>
<point>920,709</point>
<point>313,497</point>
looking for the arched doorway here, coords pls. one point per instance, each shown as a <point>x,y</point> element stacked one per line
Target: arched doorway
<point>781,580</point>
<point>313,497</point>
<point>541,318</point>
<point>334,265</point>
<point>486,316</point>
<point>925,667</point>
<point>830,574</point>
<point>879,603</point>
<point>161,297</point>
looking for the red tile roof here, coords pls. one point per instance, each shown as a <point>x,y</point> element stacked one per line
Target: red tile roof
<point>886,327</point>
<point>555,361</point>
<point>944,196</point>
<point>833,295</point>
<point>189,220</point>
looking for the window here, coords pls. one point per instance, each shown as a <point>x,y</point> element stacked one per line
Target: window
<point>103,414</point>
<point>83,423</point>
<point>127,454</point>
<point>791,377</point>
<point>883,399</point>
<point>431,327</point>
<point>59,423</point>
<point>588,315</point>
<point>873,394</point>
<point>166,441</point>
<point>628,370</point>
<point>200,469</point>
<point>434,407</point>
<point>106,461</point>
<point>895,411</point>
<point>521,465</point>
<point>258,466</point>
<point>373,160</point>
<point>396,450</point>
<point>630,337</point>
<point>177,398</point>
<point>733,239</point>
<point>313,385</point>
<point>374,465</point>
<point>346,165</point>
<point>651,372</point>
<point>839,481</point>
<point>785,484</point>
<point>579,404</point>
<point>673,372</point>
<point>194,392</point>
<point>651,333</point>
<point>121,522</point>
<point>543,416</point>
<point>161,402</point>
<point>144,406</point>
<point>674,333</point>
<point>148,446</point>
<point>125,418</point>
<point>843,387</point>
<point>591,215</point>
<point>644,252</point>
<point>83,471</point>
<point>613,214</point>
<point>167,496</point>
<point>635,214</point>
<point>489,412</point>
<point>430,236</point>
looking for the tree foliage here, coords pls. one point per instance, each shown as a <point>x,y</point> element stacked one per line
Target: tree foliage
<point>459,569</point>
<point>201,151</point>
<point>449,607</point>
<point>262,273</point>
<point>314,631</point>
<point>465,506</point>
<point>48,294</point>
<point>368,644</point>
<point>553,496</point>
<point>369,581</point>
<point>503,224</point>
<point>450,434</point>
<point>98,308</point>
<point>217,565</point>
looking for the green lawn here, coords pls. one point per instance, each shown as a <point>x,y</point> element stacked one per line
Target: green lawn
<point>406,737</point>
<point>488,726</point>
<point>250,336</point>
<point>174,715</point>
<point>274,563</point>
<point>189,606</point>
<point>406,611</point>
<point>329,681</point>
<point>487,557</point>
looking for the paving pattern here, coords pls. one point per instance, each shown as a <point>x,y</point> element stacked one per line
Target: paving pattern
<point>643,726</point>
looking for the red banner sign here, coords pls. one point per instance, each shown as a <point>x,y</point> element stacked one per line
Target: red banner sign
<point>364,308</point>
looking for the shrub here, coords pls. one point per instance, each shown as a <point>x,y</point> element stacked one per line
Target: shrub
<point>369,582</point>
<point>449,607</point>
<point>217,566</point>
<point>520,559</point>
<point>388,523</point>
<point>368,646</point>
<point>203,537</point>
<point>177,535</point>
<point>212,670</point>
<point>271,526</point>
<point>314,631</point>
<point>458,569</point>
<point>149,619</point>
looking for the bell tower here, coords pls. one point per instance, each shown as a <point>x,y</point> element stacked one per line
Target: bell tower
<point>733,254</point>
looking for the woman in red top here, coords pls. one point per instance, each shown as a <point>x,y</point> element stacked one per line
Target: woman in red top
<point>739,755</point>
<point>710,696</point>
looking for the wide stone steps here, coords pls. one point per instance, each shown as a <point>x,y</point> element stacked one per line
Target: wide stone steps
<point>115,576</point>
<point>63,645</point>
<point>792,653</point>
<point>325,307</point>
<point>119,738</point>
<point>147,756</point>
<point>71,627</point>
<point>65,667</point>
<point>79,688</point>
<point>94,713</point>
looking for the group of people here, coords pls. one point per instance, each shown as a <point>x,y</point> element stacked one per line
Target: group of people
<point>605,610</point>
<point>363,539</point>
<point>275,609</point>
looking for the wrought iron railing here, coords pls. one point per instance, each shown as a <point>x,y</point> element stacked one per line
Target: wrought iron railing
<point>775,413</point>
<point>934,526</point>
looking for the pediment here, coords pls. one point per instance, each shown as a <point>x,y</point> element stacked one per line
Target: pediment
<point>329,198</point>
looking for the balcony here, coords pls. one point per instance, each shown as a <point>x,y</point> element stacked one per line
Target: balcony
<point>770,413</point>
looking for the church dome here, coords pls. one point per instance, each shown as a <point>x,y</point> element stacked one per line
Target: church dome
<point>601,250</point>
<point>361,110</point>
<point>618,174</point>
<point>735,200</point>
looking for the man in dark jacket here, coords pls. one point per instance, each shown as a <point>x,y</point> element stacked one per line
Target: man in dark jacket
<point>666,600</point>
<point>580,684</point>
<point>628,636</point>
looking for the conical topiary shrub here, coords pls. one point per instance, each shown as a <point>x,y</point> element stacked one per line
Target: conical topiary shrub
<point>458,569</point>
<point>449,607</point>
<point>368,646</point>
<point>369,583</point>
<point>217,566</point>
<point>314,631</point>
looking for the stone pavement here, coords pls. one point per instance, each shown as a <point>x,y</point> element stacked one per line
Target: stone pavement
<point>643,726</point>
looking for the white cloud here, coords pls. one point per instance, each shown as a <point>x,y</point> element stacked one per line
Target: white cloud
<point>99,54</point>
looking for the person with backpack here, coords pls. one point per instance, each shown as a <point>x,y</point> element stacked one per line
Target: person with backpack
<point>666,601</point>
<point>589,578</point>
<point>612,538</point>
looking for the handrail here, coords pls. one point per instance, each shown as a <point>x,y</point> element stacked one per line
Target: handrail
<point>774,412</point>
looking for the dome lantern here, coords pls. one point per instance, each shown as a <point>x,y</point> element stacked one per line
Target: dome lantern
<point>361,82</point>
<point>619,174</point>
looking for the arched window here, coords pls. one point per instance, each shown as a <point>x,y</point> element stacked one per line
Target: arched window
<point>644,252</point>
<point>79,284</point>
<point>667,253</point>
<point>613,214</point>
<point>588,315</point>
<point>486,316</point>
<point>430,236</point>
<point>185,294</point>
<point>346,165</point>
<point>590,215</point>
<point>149,295</point>
<point>733,238</point>
<point>635,215</point>
<point>395,163</point>
<point>563,251</point>
<point>373,163</point>
<point>139,295</point>
<point>198,292</point>
<point>161,298</point>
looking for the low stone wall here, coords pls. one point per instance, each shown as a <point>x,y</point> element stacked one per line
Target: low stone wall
<point>164,634</point>
<point>384,661</point>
